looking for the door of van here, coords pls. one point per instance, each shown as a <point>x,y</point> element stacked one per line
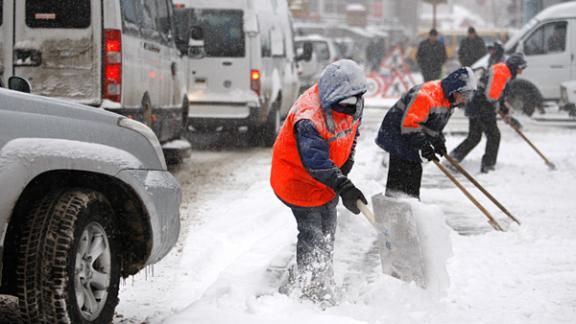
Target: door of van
<point>222,76</point>
<point>6,39</point>
<point>548,52</point>
<point>57,47</point>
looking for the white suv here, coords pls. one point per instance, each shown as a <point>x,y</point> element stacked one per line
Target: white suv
<point>85,200</point>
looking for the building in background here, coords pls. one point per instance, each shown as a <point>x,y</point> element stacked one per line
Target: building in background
<point>385,14</point>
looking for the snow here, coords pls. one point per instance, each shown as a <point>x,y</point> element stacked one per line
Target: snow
<point>178,144</point>
<point>234,228</point>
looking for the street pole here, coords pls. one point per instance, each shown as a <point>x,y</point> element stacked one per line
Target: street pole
<point>434,15</point>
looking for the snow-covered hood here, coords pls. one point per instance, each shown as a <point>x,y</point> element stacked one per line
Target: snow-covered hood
<point>30,103</point>
<point>340,80</point>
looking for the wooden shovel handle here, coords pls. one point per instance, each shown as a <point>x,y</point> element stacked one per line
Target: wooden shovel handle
<point>366,212</point>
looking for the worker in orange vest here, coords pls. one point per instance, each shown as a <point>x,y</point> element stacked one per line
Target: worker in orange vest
<point>492,91</point>
<point>412,128</point>
<point>311,158</point>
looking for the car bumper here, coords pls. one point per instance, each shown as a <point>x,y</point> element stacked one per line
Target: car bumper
<point>161,195</point>
<point>223,114</point>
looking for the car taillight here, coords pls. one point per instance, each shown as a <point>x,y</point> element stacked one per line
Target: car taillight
<point>255,81</point>
<point>112,83</point>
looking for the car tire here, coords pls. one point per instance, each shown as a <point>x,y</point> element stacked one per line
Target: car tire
<point>272,127</point>
<point>68,267</point>
<point>147,111</point>
<point>525,97</point>
<point>185,110</point>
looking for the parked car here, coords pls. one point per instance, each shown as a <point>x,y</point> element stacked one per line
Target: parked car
<point>248,75</point>
<point>86,199</point>
<point>324,52</point>
<point>568,97</point>
<point>119,55</point>
<point>548,42</point>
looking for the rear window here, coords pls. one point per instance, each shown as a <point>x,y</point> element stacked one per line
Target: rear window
<point>223,32</point>
<point>58,13</point>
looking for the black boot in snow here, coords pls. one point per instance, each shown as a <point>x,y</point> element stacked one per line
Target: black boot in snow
<point>486,168</point>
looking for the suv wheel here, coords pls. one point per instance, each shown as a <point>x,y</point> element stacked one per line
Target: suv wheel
<point>272,127</point>
<point>68,267</point>
<point>525,97</point>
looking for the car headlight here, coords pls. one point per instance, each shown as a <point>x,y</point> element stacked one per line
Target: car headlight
<point>145,131</point>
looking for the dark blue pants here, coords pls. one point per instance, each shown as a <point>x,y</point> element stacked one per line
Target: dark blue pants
<point>315,247</point>
<point>404,177</point>
<point>478,125</point>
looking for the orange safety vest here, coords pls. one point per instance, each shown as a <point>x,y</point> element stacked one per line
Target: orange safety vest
<point>498,78</point>
<point>289,178</point>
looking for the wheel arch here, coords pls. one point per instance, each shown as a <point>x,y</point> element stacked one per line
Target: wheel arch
<point>530,91</point>
<point>130,215</point>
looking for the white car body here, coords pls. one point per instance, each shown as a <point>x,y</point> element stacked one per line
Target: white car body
<point>249,67</point>
<point>324,52</point>
<point>65,56</point>
<point>546,69</point>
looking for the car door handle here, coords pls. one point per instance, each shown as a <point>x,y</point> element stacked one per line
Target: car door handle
<point>151,47</point>
<point>27,57</point>
<point>557,66</point>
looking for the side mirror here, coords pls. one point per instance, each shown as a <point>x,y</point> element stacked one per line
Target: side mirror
<point>196,42</point>
<point>19,84</point>
<point>306,54</point>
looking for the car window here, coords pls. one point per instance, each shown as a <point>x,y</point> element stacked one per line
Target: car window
<point>549,38</point>
<point>1,11</point>
<point>149,22</point>
<point>131,15</point>
<point>322,51</point>
<point>163,20</point>
<point>58,13</point>
<point>223,32</point>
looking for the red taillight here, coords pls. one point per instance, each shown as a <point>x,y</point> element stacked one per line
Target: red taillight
<point>112,83</point>
<point>255,81</point>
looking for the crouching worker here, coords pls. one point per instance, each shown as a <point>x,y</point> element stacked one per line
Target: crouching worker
<point>311,158</point>
<point>413,128</point>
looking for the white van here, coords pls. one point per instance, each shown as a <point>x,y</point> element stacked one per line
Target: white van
<point>548,42</point>
<point>115,54</point>
<point>248,75</point>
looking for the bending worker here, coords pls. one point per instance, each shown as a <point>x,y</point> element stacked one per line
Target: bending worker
<point>310,162</point>
<point>412,128</point>
<point>483,108</point>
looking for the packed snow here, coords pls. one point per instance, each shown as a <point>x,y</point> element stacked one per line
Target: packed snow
<point>234,228</point>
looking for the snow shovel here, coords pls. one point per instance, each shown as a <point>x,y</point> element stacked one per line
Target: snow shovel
<point>484,191</point>
<point>491,219</point>
<point>401,252</point>
<point>548,162</point>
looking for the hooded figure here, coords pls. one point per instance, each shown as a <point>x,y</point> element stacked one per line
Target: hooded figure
<point>412,128</point>
<point>311,158</point>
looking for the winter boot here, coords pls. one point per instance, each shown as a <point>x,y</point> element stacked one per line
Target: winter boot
<point>486,168</point>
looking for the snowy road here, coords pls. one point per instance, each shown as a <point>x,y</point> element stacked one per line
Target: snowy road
<point>234,228</point>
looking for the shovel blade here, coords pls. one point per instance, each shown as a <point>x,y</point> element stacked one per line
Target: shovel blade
<point>398,238</point>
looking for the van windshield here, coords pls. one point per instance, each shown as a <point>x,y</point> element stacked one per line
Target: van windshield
<point>58,13</point>
<point>223,32</point>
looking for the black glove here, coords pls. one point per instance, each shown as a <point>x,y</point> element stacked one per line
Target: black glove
<point>350,195</point>
<point>428,152</point>
<point>439,144</point>
<point>503,109</point>
<point>347,167</point>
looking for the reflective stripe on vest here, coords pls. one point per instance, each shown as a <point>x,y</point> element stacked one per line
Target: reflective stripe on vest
<point>289,178</point>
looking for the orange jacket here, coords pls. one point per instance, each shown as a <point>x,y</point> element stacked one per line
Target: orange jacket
<point>498,78</point>
<point>289,178</point>
<point>426,110</point>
